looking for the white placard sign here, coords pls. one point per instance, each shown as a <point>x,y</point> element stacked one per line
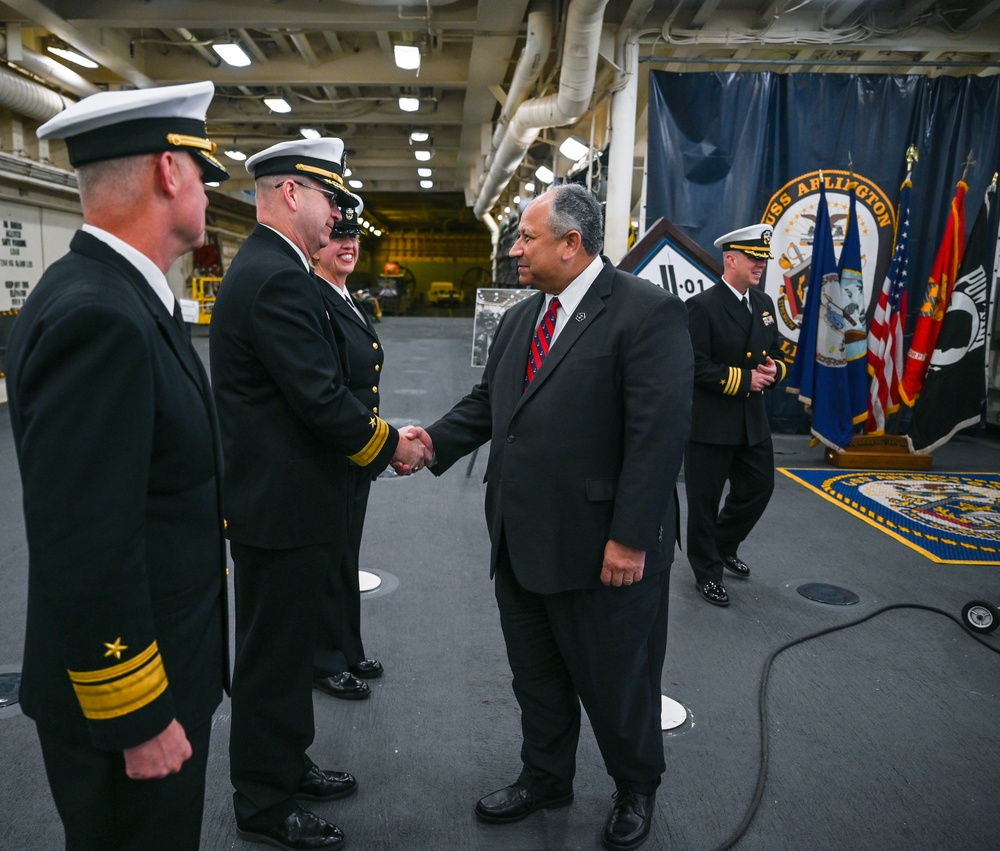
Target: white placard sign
<point>675,272</point>
<point>20,254</point>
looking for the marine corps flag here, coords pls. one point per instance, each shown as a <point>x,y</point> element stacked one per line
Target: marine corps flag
<point>819,371</point>
<point>942,279</point>
<point>955,386</point>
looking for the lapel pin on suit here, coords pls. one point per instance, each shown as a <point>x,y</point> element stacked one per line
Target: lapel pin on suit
<point>580,317</point>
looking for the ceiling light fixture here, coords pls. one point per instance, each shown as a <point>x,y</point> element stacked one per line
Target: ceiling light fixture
<point>356,184</point>
<point>426,184</point>
<point>408,104</point>
<point>73,56</point>
<point>544,174</point>
<point>310,133</point>
<point>239,156</point>
<point>529,187</point>
<point>423,156</point>
<point>573,148</point>
<point>277,105</point>
<point>378,232</point>
<point>419,136</point>
<point>232,54</point>
<point>424,172</point>
<point>407,56</point>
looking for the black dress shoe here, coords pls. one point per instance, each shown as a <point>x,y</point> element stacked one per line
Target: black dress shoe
<point>715,593</point>
<point>367,669</point>
<point>514,802</point>
<point>736,565</point>
<point>628,825</point>
<point>301,831</point>
<point>345,685</point>
<point>320,785</point>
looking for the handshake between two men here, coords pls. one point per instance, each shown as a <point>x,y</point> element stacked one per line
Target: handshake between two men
<point>413,452</point>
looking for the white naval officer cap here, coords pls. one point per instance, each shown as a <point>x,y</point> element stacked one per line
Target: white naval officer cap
<point>109,125</point>
<point>754,240</point>
<point>321,159</point>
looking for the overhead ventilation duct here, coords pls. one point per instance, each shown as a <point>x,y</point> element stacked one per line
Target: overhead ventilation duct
<point>28,98</point>
<point>576,86</point>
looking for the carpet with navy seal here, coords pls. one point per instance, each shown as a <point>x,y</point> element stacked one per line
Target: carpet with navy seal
<point>882,735</point>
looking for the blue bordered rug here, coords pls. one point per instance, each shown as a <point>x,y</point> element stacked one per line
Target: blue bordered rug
<point>950,518</point>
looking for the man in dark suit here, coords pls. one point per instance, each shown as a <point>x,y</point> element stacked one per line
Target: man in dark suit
<point>290,431</point>
<point>586,444</point>
<point>126,652</point>
<point>340,667</point>
<point>736,356</point>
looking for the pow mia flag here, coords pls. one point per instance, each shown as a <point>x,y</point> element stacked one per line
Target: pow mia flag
<point>955,387</point>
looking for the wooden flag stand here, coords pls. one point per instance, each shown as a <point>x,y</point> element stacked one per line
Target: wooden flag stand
<point>878,452</point>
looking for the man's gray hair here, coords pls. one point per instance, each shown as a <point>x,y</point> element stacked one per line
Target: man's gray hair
<point>576,208</point>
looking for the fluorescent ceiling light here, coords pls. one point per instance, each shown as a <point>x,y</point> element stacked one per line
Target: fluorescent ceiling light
<point>426,184</point>
<point>277,104</point>
<point>419,136</point>
<point>544,174</point>
<point>347,172</point>
<point>355,184</point>
<point>73,56</point>
<point>424,172</point>
<point>517,199</point>
<point>573,148</point>
<point>529,187</point>
<point>378,232</point>
<point>310,133</point>
<point>407,56</point>
<point>423,156</point>
<point>409,104</point>
<point>232,54</point>
<point>212,183</point>
<point>239,156</point>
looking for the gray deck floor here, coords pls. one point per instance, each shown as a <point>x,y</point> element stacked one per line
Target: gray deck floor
<point>882,736</point>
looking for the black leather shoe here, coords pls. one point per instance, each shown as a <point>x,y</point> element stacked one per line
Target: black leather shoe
<point>301,831</point>
<point>736,565</point>
<point>628,825</point>
<point>715,593</point>
<point>367,669</point>
<point>514,802</point>
<point>345,685</point>
<point>320,785</point>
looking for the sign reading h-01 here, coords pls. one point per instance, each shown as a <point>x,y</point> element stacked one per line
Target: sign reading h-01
<point>671,260</point>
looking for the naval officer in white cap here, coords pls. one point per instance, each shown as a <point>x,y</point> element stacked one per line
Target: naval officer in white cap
<point>291,430</point>
<point>736,356</point>
<point>126,653</point>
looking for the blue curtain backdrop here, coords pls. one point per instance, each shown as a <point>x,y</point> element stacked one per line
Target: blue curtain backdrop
<point>723,146</point>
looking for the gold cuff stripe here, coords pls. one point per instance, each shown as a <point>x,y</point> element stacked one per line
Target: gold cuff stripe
<point>329,175</point>
<point>182,141</point>
<point>733,384</point>
<point>374,446</point>
<point>125,695</point>
<point>115,671</point>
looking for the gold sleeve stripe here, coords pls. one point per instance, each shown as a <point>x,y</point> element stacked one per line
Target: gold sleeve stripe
<point>123,695</point>
<point>782,370</point>
<point>374,446</point>
<point>733,384</point>
<point>115,671</point>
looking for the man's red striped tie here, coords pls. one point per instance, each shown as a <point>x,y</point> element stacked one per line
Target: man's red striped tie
<point>541,341</point>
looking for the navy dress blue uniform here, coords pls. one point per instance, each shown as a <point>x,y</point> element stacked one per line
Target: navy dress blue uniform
<point>339,644</point>
<point>291,429</point>
<point>121,467</point>
<point>588,452</point>
<point>731,437</point>
<point>117,443</point>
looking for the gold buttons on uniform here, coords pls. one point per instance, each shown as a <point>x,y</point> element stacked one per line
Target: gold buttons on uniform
<point>375,409</point>
<point>749,354</point>
<point>378,367</point>
<point>374,390</point>
<point>374,345</point>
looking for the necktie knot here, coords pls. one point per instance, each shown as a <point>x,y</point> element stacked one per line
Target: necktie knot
<point>542,340</point>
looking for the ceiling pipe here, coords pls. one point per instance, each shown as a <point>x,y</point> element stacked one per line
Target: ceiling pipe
<point>537,45</point>
<point>576,86</point>
<point>187,37</point>
<point>28,98</point>
<point>48,69</point>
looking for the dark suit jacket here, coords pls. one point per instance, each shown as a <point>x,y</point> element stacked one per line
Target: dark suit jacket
<point>728,343</point>
<point>289,421</point>
<point>120,461</point>
<point>592,449</point>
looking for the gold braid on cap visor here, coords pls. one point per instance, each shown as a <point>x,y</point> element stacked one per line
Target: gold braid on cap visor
<point>329,175</point>
<point>181,141</point>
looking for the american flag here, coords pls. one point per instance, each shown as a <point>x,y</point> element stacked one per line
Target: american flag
<point>886,355</point>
